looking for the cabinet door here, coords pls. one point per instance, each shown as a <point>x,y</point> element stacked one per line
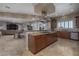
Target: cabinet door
<point>50,38</point>
<point>63,34</point>
<point>59,34</point>
<point>77,22</point>
<point>40,42</point>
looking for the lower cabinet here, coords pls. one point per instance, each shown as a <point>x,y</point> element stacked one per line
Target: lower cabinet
<point>63,34</point>
<point>37,43</point>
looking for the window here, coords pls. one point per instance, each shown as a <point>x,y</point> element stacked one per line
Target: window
<point>65,24</point>
<point>40,25</point>
<point>70,24</point>
<point>62,24</point>
<point>59,24</point>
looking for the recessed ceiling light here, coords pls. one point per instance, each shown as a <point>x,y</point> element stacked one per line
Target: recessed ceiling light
<point>72,10</point>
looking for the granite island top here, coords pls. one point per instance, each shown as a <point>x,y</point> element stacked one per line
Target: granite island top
<point>40,33</point>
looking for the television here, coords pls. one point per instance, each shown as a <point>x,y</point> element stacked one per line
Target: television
<point>12,26</point>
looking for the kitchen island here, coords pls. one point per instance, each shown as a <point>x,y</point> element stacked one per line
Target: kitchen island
<point>39,40</point>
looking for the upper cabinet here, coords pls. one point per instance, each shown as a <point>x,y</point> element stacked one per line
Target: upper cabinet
<point>53,24</point>
<point>77,22</point>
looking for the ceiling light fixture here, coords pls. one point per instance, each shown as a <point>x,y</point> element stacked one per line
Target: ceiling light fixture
<point>44,9</point>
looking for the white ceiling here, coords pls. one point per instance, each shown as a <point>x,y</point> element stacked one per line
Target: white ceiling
<point>28,8</point>
<point>65,8</point>
<point>17,8</point>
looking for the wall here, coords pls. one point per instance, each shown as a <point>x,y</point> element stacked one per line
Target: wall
<point>3,26</point>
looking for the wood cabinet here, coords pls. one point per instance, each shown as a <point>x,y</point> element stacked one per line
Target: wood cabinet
<point>53,24</point>
<point>63,34</point>
<point>77,22</point>
<point>37,43</point>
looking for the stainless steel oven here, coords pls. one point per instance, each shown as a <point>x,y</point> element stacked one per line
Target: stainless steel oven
<point>74,35</point>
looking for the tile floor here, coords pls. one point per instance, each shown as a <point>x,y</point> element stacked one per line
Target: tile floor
<point>19,47</point>
<point>63,47</point>
<point>10,46</point>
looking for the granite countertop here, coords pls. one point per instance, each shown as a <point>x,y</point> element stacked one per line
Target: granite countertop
<point>40,33</point>
<point>69,30</point>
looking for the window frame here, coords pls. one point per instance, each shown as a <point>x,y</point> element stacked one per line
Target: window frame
<point>59,24</point>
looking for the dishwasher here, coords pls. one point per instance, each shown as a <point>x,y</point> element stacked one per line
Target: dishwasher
<point>74,36</point>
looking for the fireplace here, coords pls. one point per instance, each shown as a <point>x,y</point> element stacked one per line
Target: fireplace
<point>12,26</point>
